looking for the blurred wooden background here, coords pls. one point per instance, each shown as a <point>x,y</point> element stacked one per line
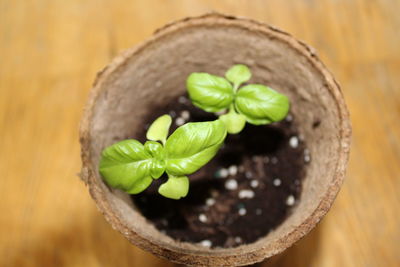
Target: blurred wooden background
<point>50,51</point>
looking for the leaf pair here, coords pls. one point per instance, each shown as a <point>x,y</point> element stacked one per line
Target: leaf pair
<point>131,166</point>
<point>254,103</point>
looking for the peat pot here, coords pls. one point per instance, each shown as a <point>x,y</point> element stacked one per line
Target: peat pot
<point>154,72</point>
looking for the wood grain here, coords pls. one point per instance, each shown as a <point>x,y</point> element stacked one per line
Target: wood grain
<point>50,52</point>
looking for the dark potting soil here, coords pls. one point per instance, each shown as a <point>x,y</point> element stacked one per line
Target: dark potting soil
<point>246,191</point>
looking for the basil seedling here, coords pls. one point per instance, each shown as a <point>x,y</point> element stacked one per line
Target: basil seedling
<point>255,103</point>
<point>131,166</point>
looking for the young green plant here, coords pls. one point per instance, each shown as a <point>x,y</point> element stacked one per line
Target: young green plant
<point>131,166</point>
<point>255,103</point>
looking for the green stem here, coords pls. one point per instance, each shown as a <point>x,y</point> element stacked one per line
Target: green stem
<point>232,108</point>
<point>171,176</point>
<point>236,87</point>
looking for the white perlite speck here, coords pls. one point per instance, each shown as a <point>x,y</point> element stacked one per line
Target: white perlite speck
<point>245,193</point>
<point>185,114</point>
<point>277,182</point>
<point>294,142</point>
<point>238,239</point>
<point>290,200</point>
<point>233,170</point>
<point>179,121</point>
<point>231,184</point>
<point>289,117</point>
<point>242,211</point>
<point>223,173</point>
<point>258,211</point>
<point>307,157</point>
<point>182,99</point>
<point>206,243</point>
<point>248,175</point>
<point>274,160</point>
<point>210,201</point>
<point>202,218</point>
<point>172,113</point>
<point>254,183</point>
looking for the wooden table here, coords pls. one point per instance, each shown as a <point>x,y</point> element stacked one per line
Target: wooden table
<point>50,51</point>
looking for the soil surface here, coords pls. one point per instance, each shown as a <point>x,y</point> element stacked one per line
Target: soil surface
<point>242,194</point>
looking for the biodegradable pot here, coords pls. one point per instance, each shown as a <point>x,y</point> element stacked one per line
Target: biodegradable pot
<point>155,71</point>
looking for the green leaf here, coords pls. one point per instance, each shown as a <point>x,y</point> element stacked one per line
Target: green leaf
<point>234,122</point>
<point>140,185</point>
<point>124,164</point>
<point>260,104</point>
<point>208,92</point>
<point>238,74</point>
<point>175,187</point>
<point>192,145</point>
<point>158,130</point>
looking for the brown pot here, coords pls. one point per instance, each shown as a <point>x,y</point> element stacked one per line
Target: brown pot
<point>155,71</point>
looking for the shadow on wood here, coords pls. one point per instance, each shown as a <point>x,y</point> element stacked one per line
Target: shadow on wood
<point>301,254</point>
<point>86,241</point>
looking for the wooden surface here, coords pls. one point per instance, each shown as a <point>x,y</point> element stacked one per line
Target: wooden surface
<point>50,52</point>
